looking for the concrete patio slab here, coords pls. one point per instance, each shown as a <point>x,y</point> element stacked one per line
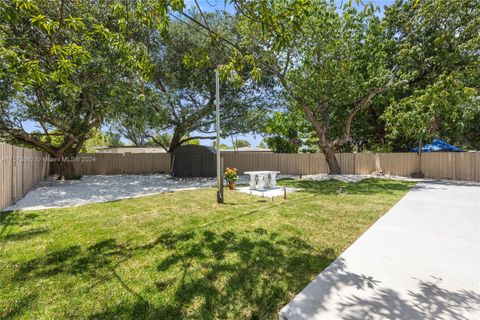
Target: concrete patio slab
<point>421,260</point>
<point>268,193</point>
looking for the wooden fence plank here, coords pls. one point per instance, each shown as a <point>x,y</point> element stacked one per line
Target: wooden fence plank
<point>347,162</point>
<point>437,165</point>
<point>318,164</point>
<point>398,164</point>
<point>365,163</point>
<point>477,166</point>
<point>20,170</point>
<point>113,163</point>
<point>3,179</point>
<point>465,166</point>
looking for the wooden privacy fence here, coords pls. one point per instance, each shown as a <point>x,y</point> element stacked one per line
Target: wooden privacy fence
<point>438,165</point>
<point>288,163</point>
<point>119,163</point>
<point>20,170</point>
<point>459,166</point>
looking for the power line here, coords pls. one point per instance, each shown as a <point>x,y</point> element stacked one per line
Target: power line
<point>225,41</point>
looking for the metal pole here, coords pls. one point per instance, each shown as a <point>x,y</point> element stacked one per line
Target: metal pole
<point>219,166</point>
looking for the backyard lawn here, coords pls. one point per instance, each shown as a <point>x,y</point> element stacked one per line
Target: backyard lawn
<point>180,255</point>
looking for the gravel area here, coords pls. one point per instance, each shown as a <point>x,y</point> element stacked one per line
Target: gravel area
<point>93,189</point>
<point>355,177</point>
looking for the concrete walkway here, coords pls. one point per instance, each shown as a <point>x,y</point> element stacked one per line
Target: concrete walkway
<point>421,260</point>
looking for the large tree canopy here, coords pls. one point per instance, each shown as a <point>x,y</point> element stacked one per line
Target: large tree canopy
<point>181,93</point>
<point>420,63</point>
<point>289,132</point>
<point>61,62</point>
<point>69,67</point>
<point>331,66</point>
<point>437,47</point>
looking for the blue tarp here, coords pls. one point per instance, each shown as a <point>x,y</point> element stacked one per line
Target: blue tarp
<point>437,145</point>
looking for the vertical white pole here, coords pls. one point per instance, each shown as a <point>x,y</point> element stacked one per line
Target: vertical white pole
<point>219,166</point>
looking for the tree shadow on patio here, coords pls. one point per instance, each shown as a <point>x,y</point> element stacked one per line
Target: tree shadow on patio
<point>429,301</point>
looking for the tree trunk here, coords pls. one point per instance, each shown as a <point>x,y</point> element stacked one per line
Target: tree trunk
<point>67,170</point>
<point>176,140</point>
<point>419,173</point>
<point>173,145</point>
<point>420,146</point>
<point>333,166</point>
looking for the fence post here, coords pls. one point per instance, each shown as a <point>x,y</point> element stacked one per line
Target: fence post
<point>309,163</point>
<point>278,161</point>
<point>16,178</point>
<point>454,156</point>
<point>12,181</point>
<point>354,163</point>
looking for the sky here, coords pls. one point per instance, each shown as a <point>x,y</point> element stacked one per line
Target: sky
<point>213,5</point>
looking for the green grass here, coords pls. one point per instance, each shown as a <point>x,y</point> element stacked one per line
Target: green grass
<point>180,255</point>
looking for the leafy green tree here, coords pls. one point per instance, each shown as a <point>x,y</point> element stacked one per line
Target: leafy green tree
<point>286,131</point>
<point>184,85</point>
<point>223,146</point>
<point>101,139</point>
<point>436,46</point>
<point>164,140</point>
<point>240,143</point>
<point>61,63</point>
<point>472,134</point>
<point>141,109</point>
<point>137,136</point>
<point>263,144</point>
<point>440,109</point>
<point>330,65</point>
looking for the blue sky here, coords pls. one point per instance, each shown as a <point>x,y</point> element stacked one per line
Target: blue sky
<point>212,5</point>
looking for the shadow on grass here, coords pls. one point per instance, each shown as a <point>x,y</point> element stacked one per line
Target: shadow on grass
<point>18,219</point>
<point>226,275</point>
<point>205,274</point>
<point>74,260</point>
<point>363,187</point>
<point>24,234</point>
<point>18,308</point>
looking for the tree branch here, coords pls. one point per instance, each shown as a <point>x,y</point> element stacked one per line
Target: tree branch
<point>183,140</point>
<point>23,136</point>
<point>157,142</point>
<point>364,102</point>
